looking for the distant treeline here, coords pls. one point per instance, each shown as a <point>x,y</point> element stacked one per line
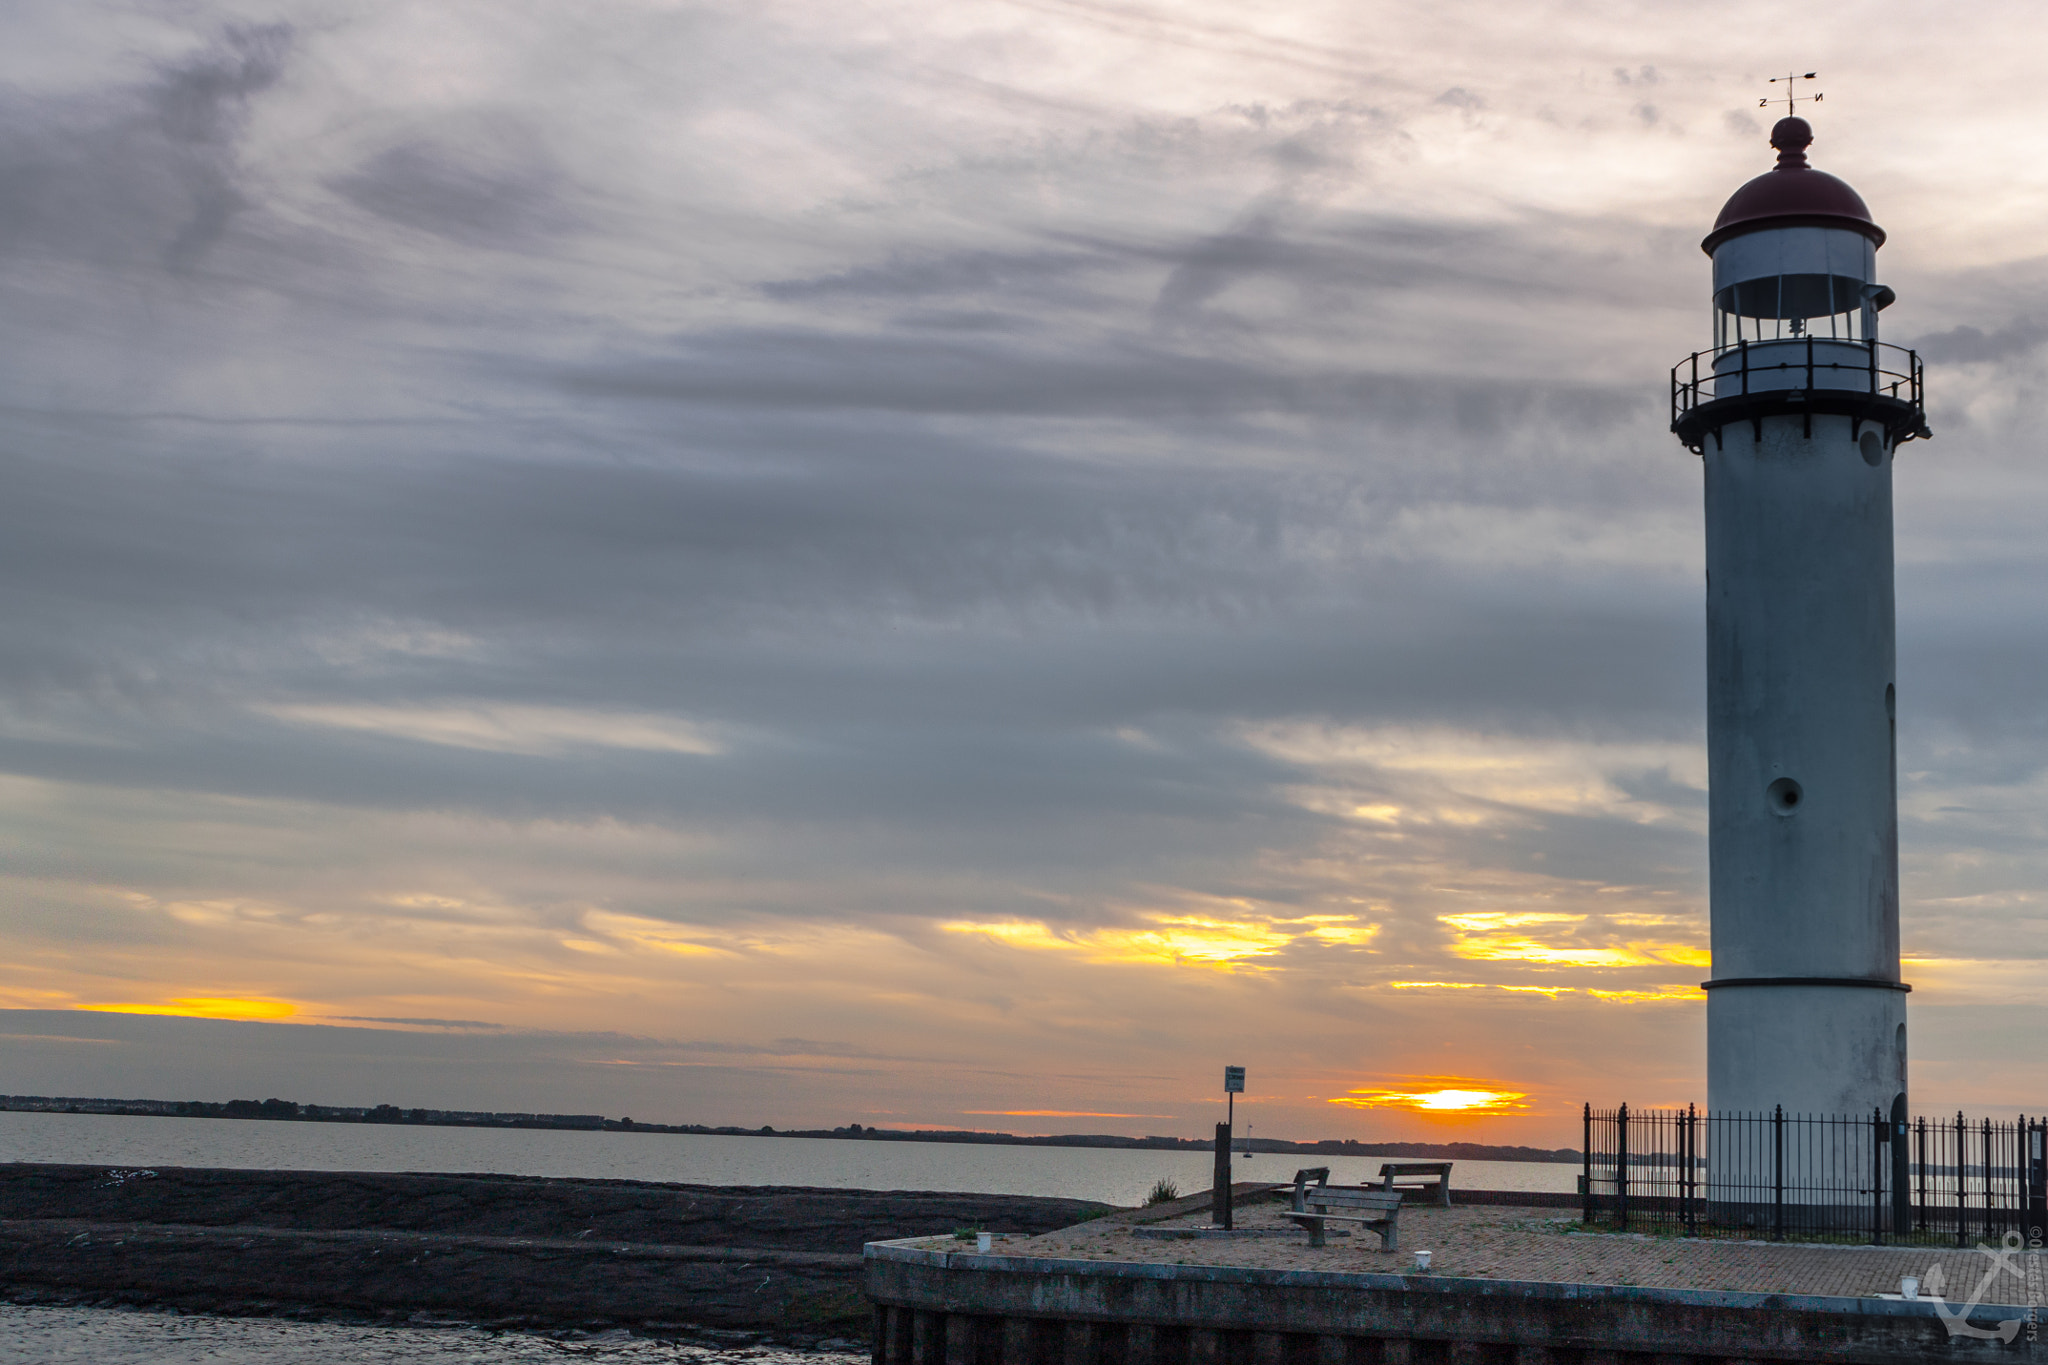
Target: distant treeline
<point>468,1118</point>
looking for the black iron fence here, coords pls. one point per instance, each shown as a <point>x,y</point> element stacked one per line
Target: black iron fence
<point>1805,364</point>
<point>1814,1176</point>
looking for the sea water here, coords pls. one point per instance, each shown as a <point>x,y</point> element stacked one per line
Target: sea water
<point>114,1336</point>
<point>1112,1175</point>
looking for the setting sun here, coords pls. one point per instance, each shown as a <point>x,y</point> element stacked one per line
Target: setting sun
<point>1445,1096</point>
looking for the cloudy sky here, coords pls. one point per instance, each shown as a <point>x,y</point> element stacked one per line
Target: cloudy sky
<point>951,564</point>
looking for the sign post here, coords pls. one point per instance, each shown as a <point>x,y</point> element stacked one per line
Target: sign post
<point>1219,1197</point>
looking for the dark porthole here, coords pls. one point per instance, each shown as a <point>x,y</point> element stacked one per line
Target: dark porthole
<point>1872,446</point>
<point>1784,796</point>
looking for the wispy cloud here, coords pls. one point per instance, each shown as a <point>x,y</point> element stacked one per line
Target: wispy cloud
<point>546,731</point>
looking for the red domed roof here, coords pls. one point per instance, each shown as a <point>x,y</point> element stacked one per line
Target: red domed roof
<point>1792,195</point>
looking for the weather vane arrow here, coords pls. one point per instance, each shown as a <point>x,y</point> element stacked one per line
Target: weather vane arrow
<point>1790,80</point>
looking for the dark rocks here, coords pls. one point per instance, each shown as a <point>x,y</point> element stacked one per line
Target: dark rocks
<point>790,1217</point>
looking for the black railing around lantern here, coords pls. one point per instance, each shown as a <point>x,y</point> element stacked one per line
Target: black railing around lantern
<point>1865,380</point>
<point>1815,1177</point>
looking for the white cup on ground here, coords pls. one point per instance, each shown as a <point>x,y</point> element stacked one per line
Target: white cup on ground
<point>1422,1260</point>
<point>983,1241</point>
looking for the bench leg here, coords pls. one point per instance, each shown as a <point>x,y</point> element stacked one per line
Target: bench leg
<point>1390,1236</point>
<point>1315,1233</point>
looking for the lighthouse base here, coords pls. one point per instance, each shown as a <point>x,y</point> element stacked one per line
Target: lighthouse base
<point>1814,1049</point>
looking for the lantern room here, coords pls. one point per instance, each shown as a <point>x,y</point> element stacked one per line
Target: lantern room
<point>1795,307</point>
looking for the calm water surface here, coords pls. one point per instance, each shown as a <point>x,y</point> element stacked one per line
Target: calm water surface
<point>61,1336</point>
<point>113,1336</point>
<point>1108,1174</point>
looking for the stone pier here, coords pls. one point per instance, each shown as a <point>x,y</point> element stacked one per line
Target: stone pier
<point>1104,1294</point>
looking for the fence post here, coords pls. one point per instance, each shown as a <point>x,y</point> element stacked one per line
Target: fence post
<point>1778,1174</point>
<point>1987,1181</point>
<point>2037,1180</point>
<point>1689,1152</point>
<point>1879,1131</point>
<point>1962,1204</point>
<point>1621,1168</point>
<point>1586,1180</point>
<point>1902,1169</point>
<point>1920,1218</point>
<point>1219,1186</point>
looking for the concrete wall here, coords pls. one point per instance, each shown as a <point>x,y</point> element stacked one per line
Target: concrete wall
<point>1800,737</point>
<point>939,1308</point>
<point>1813,1049</point>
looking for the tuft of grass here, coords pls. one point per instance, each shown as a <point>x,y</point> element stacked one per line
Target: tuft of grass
<point>1164,1192</point>
<point>966,1234</point>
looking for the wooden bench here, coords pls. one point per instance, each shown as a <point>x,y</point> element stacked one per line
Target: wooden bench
<point>1321,1203</point>
<point>1429,1177</point>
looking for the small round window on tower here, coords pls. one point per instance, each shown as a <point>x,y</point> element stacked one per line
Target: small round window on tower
<point>1784,796</point>
<point>1872,446</point>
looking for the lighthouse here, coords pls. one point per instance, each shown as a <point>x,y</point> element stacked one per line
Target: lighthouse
<point>1796,412</point>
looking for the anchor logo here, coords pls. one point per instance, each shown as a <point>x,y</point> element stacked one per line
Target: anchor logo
<point>1958,1321</point>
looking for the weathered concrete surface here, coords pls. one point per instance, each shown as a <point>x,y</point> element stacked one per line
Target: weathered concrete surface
<point>479,1247</point>
<point>1401,1316</point>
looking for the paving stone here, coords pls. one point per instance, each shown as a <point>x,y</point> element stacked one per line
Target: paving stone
<point>1539,1245</point>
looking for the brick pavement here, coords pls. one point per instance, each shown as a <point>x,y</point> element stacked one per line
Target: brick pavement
<point>1544,1245</point>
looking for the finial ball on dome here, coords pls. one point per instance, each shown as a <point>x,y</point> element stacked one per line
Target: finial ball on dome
<point>1792,136</point>
<point>1791,132</point>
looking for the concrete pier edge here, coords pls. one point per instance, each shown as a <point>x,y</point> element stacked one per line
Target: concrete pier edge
<point>927,1299</point>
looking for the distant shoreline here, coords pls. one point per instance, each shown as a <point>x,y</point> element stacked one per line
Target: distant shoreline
<point>291,1112</point>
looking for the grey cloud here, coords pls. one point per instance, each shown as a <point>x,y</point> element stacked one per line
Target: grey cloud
<point>204,99</point>
<point>415,1023</point>
<point>157,1057</point>
<point>905,276</point>
<point>793,370</point>
<point>152,179</point>
<point>483,179</point>
<point>1211,265</point>
<point>1968,345</point>
<point>778,1047</point>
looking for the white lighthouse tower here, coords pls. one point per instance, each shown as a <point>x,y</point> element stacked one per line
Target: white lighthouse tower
<point>1796,413</point>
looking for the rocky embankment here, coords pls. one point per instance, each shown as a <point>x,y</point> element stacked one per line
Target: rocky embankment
<point>503,1250</point>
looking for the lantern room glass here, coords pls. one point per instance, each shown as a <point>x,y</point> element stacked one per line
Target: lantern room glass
<point>1793,307</point>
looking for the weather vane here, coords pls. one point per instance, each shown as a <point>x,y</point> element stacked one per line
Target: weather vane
<point>1790,96</point>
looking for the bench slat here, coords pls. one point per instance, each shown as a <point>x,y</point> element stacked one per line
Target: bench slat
<point>1424,1177</point>
<point>1357,1199</point>
<point>1371,1208</point>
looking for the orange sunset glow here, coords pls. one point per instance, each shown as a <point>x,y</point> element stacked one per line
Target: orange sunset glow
<point>204,1007</point>
<point>1447,1096</point>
